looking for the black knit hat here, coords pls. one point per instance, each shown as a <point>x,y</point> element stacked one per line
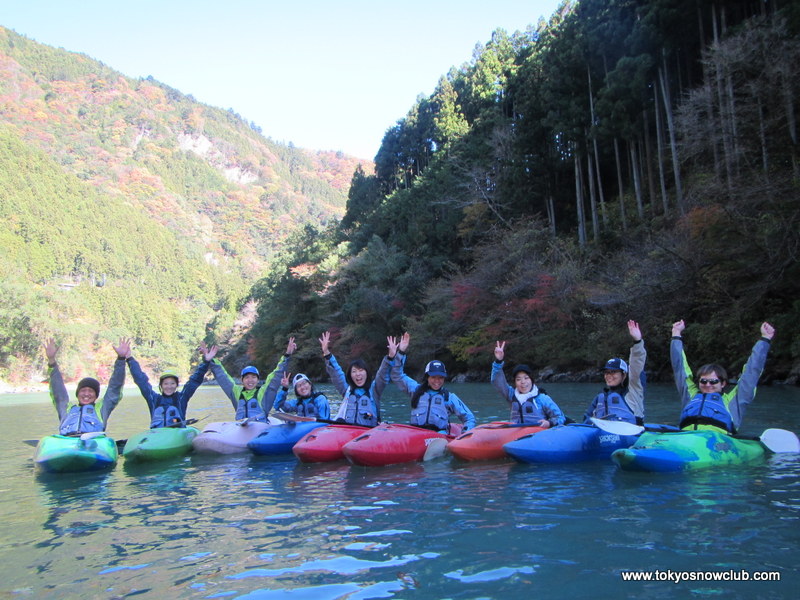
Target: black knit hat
<point>89,382</point>
<point>522,369</point>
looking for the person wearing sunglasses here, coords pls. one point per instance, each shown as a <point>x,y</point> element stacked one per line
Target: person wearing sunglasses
<point>705,403</point>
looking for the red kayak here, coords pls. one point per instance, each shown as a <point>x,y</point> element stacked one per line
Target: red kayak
<point>485,442</point>
<point>325,444</point>
<point>390,444</point>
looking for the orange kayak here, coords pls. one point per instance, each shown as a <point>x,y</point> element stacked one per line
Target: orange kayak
<point>485,442</point>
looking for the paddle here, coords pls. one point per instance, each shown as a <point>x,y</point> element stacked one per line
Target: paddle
<point>290,418</point>
<point>436,448</point>
<point>776,440</point>
<point>120,443</point>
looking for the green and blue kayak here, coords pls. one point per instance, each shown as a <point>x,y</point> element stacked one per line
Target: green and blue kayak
<point>68,454</point>
<point>160,443</point>
<point>686,450</point>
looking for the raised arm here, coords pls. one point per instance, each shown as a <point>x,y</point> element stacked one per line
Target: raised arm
<point>636,363</point>
<point>58,391</point>
<point>681,371</point>
<point>113,393</point>
<point>498,377</point>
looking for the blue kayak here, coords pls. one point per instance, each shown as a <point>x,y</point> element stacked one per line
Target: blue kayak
<point>568,443</point>
<point>280,439</point>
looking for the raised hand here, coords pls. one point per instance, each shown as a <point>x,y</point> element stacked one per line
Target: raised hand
<point>500,351</point>
<point>767,330</point>
<point>123,348</point>
<point>208,353</point>
<point>633,329</point>
<point>677,328</point>
<point>285,380</point>
<point>324,341</point>
<point>392,344</point>
<point>405,340</point>
<point>290,347</point>
<point>50,350</point>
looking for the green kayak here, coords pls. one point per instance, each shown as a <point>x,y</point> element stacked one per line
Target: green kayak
<point>68,454</point>
<point>686,450</point>
<point>159,443</point>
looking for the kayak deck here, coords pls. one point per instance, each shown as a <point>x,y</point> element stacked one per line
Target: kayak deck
<point>568,443</point>
<point>686,450</point>
<point>325,444</point>
<point>67,454</point>
<point>390,444</point>
<point>160,443</point>
<point>228,437</point>
<point>485,442</point>
<point>280,439</point>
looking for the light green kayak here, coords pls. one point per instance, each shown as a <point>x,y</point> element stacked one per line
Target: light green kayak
<point>686,450</point>
<point>69,454</point>
<point>160,443</point>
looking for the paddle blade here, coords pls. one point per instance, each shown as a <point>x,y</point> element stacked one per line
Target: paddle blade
<point>436,448</point>
<point>617,427</point>
<point>290,418</point>
<point>780,440</point>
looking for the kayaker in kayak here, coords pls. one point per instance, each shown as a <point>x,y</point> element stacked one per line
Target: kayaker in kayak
<point>361,395</point>
<point>622,399</point>
<point>705,404</point>
<point>431,403</point>
<point>529,404</point>
<point>308,401</point>
<point>89,414</point>
<point>168,408</point>
<point>251,401</point>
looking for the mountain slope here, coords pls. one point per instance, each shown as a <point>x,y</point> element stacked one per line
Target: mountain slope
<point>128,208</point>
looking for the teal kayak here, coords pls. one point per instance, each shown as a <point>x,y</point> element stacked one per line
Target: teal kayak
<point>686,450</point>
<point>160,443</point>
<point>67,454</point>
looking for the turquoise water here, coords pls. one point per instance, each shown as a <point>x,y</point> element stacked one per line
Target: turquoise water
<point>271,528</point>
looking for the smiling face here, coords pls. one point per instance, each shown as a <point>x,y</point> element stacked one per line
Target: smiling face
<point>435,382</point>
<point>86,395</point>
<point>250,381</point>
<point>303,388</point>
<point>523,382</point>
<point>711,383</point>
<point>613,377</point>
<point>358,375</point>
<point>169,385</point>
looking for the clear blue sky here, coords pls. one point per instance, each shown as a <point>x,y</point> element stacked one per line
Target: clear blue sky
<point>322,74</point>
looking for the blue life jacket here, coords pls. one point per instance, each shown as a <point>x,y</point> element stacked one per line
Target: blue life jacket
<point>360,408</point>
<point>250,409</point>
<point>611,405</point>
<point>528,411</point>
<point>81,418</point>
<point>167,413</point>
<point>707,409</point>
<point>306,407</point>
<point>431,409</point>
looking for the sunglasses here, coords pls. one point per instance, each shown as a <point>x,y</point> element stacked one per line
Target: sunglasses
<point>709,381</point>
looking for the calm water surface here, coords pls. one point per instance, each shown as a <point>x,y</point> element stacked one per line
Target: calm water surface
<point>271,528</point>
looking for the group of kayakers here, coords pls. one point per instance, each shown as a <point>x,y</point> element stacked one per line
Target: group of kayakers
<point>705,403</point>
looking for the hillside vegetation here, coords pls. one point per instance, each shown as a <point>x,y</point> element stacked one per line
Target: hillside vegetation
<point>128,208</point>
<point>625,160</point>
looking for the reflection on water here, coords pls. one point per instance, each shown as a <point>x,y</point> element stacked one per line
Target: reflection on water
<point>242,526</point>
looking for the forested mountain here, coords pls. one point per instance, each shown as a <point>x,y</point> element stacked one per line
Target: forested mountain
<point>628,159</point>
<point>128,208</point>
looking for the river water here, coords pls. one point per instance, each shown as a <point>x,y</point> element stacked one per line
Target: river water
<point>271,528</point>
